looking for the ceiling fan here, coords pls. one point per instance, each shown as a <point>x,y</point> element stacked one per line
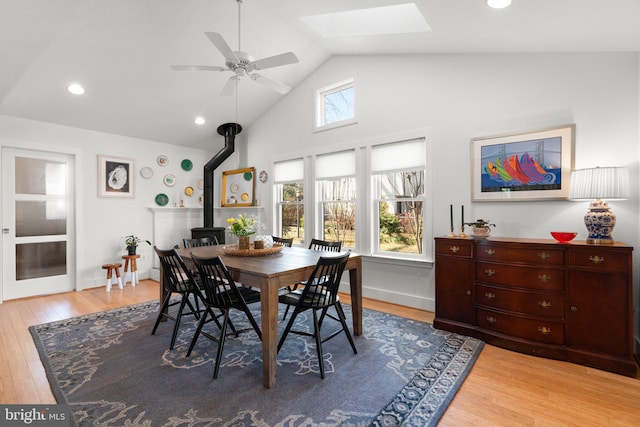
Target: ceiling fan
<point>242,64</point>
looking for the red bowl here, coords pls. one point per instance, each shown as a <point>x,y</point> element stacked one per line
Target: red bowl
<point>564,236</point>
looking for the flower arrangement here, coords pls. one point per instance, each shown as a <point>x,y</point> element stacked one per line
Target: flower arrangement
<point>132,240</point>
<point>243,225</point>
<point>479,223</point>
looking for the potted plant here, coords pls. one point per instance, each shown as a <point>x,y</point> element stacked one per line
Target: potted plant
<point>242,227</point>
<point>480,227</point>
<point>131,242</point>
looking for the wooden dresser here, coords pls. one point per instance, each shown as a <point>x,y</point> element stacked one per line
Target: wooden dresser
<point>563,301</point>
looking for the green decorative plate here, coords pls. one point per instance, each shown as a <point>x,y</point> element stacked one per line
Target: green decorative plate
<point>248,176</point>
<point>162,199</point>
<point>186,164</point>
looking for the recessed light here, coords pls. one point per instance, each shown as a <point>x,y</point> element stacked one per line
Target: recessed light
<point>499,4</point>
<point>199,120</point>
<point>75,89</point>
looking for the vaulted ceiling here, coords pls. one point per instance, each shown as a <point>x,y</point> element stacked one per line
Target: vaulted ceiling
<point>121,52</point>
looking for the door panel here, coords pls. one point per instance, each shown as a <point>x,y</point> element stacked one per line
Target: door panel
<point>37,221</point>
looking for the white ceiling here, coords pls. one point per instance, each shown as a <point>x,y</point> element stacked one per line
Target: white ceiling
<point>121,50</point>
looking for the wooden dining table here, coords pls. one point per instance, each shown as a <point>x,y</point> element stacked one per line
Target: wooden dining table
<point>271,273</point>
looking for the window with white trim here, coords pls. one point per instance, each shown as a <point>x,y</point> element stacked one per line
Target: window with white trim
<point>398,179</point>
<point>336,184</point>
<point>289,190</point>
<point>335,105</point>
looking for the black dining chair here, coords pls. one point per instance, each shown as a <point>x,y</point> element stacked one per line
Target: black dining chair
<point>221,292</point>
<point>319,294</point>
<point>178,280</point>
<point>316,245</point>
<point>284,242</point>
<point>200,241</point>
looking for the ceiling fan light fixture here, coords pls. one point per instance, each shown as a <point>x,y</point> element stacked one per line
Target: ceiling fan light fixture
<point>499,4</point>
<point>75,89</point>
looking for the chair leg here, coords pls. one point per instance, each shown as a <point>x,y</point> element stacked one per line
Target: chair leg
<point>344,326</point>
<point>287,328</point>
<point>201,323</point>
<point>164,306</point>
<point>316,335</point>
<point>253,322</point>
<point>183,302</point>
<point>223,335</point>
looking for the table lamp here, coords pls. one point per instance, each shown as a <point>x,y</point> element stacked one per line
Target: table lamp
<point>596,184</point>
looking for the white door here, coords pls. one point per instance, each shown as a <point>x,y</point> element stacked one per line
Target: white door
<point>38,244</point>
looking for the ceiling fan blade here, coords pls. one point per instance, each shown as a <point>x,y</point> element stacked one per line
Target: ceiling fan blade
<point>275,61</point>
<point>230,87</point>
<point>271,84</point>
<point>198,68</point>
<point>222,46</point>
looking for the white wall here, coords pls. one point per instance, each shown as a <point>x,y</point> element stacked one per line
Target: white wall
<point>101,223</point>
<point>460,97</point>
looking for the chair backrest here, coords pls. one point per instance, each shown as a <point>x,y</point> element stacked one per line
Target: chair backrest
<point>219,288</point>
<point>322,287</point>
<point>283,241</point>
<point>177,276</point>
<point>200,241</point>
<point>324,245</point>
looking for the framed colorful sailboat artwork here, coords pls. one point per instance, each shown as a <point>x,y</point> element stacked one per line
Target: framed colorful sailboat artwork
<point>524,166</point>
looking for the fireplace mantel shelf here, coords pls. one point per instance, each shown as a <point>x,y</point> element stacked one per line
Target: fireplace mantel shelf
<point>170,208</point>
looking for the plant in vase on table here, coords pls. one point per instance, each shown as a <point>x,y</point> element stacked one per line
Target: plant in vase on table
<point>242,227</point>
<point>480,227</point>
<point>131,243</point>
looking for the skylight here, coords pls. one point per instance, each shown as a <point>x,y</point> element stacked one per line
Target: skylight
<point>396,19</point>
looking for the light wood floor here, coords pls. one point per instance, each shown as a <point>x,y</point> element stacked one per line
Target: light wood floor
<point>503,389</point>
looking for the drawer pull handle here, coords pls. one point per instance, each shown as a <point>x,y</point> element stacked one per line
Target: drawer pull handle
<point>491,319</point>
<point>574,308</point>
<point>544,304</point>
<point>454,249</point>
<point>544,330</point>
<point>596,259</point>
<point>543,255</point>
<point>544,278</point>
<point>489,272</point>
<point>490,251</point>
<point>489,295</point>
<point>468,292</point>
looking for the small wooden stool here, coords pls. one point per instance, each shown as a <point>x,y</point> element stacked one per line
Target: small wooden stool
<point>130,261</point>
<point>110,279</point>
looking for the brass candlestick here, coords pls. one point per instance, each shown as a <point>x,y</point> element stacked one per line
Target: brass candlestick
<point>462,234</point>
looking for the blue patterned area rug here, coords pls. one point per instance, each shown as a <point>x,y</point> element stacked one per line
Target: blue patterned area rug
<point>112,372</point>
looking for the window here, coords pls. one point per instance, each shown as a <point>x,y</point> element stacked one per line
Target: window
<point>398,179</point>
<point>289,190</point>
<point>335,175</point>
<point>335,105</point>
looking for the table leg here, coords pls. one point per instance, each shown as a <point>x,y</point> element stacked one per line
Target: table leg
<point>269,314</point>
<point>355,281</point>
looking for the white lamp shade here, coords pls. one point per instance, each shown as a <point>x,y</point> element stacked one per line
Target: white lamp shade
<point>608,183</point>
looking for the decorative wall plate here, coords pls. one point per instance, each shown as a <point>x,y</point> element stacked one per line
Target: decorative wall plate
<point>201,183</point>
<point>234,188</point>
<point>162,199</point>
<point>244,197</point>
<point>163,160</point>
<point>186,164</point>
<point>169,180</point>
<point>146,172</point>
<point>264,176</point>
<point>248,176</point>
<point>188,191</point>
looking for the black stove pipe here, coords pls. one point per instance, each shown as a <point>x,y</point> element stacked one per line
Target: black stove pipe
<point>229,131</point>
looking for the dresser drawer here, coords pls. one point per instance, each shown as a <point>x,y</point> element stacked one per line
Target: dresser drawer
<point>536,255</point>
<point>523,327</point>
<point>537,304</point>
<point>599,259</point>
<point>454,247</point>
<point>531,277</point>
